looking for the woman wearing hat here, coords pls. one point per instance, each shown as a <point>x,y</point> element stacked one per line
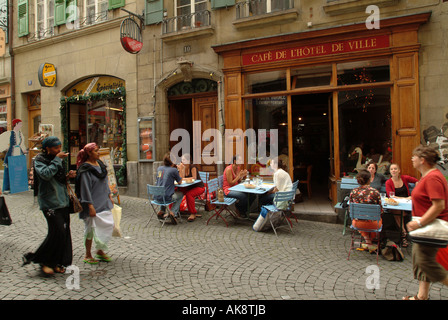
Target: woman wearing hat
<point>55,253</point>
<point>14,142</point>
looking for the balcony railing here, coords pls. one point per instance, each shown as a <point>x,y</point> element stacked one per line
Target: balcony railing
<point>251,8</point>
<point>80,23</point>
<point>186,22</point>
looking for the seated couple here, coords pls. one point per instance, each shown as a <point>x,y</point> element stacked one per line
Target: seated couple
<point>234,174</point>
<point>167,175</point>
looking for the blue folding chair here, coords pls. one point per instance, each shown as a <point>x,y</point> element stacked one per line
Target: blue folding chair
<point>364,211</point>
<point>294,188</point>
<point>221,205</point>
<point>154,191</point>
<point>281,197</point>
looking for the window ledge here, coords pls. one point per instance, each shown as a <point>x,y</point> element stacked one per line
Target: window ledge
<point>188,34</point>
<point>340,7</point>
<point>278,17</point>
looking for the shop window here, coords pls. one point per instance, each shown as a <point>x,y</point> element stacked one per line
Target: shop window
<point>364,129</point>
<point>146,139</point>
<point>250,8</point>
<point>363,72</point>
<point>265,82</point>
<point>268,118</point>
<point>311,77</point>
<point>101,122</point>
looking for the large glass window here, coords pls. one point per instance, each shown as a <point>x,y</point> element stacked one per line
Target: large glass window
<point>100,122</point>
<point>363,72</point>
<point>188,13</point>
<point>265,82</point>
<point>96,11</point>
<point>44,18</point>
<point>364,129</point>
<point>311,76</point>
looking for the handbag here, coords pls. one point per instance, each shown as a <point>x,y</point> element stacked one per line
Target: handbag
<point>74,204</point>
<point>5,218</point>
<point>392,252</point>
<point>433,234</point>
<point>116,213</point>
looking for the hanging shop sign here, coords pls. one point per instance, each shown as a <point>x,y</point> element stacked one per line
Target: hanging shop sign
<point>131,35</point>
<point>322,49</point>
<point>95,85</point>
<point>47,75</point>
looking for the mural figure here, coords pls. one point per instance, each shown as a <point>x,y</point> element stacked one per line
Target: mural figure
<point>13,142</point>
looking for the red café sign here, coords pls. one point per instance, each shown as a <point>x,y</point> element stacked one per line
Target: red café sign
<point>323,49</point>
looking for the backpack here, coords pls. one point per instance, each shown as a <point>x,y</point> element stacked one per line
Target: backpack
<point>392,252</point>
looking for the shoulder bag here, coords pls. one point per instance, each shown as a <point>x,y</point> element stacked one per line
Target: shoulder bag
<point>74,203</point>
<point>433,234</point>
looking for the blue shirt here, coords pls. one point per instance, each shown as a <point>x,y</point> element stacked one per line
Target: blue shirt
<point>166,177</point>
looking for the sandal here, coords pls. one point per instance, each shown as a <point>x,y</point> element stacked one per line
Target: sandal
<point>47,270</point>
<point>59,269</point>
<point>103,257</point>
<point>90,261</point>
<point>191,218</point>
<point>160,215</point>
<point>413,298</point>
<point>173,218</point>
<point>404,241</point>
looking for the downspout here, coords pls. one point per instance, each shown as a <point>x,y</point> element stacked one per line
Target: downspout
<point>11,54</point>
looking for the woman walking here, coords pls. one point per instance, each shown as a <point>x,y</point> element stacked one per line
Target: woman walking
<point>96,199</point>
<point>429,201</point>
<point>55,253</point>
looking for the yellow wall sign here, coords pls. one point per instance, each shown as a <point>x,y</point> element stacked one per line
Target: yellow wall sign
<point>95,84</point>
<point>47,75</point>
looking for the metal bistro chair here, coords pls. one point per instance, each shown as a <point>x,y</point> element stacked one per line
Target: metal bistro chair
<point>154,191</point>
<point>364,211</point>
<point>295,185</point>
<point>280,197</point>
<point>204,176</point>
<point>221,206</point>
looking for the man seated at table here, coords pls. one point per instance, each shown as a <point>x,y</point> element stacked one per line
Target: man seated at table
<point>166,175</point>
<point>234,174</point>
<point>282,182</point>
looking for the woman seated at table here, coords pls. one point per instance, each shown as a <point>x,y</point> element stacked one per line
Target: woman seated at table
<point>376,179</point>
<point>166,175</point>
<point>186,170</point>
<point>366,194</point>
<point>282,182</point>
<point>399,184</point>
<point>234,174</point>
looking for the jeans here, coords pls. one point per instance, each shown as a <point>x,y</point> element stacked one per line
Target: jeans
<point>241,204</point>
<point>177,197</point>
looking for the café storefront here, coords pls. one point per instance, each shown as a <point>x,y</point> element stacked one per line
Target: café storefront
<point>336,96</point>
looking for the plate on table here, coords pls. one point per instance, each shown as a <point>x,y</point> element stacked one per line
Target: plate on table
<point>249,186</point>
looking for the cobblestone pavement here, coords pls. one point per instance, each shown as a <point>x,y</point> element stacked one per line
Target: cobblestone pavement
<point>199,262</point>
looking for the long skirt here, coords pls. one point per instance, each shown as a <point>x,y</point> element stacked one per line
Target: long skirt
<point>99,228</point>
<point>56,250</point>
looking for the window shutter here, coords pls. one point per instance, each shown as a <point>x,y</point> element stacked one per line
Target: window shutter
<point>114,4</point>
<point>22,20</point>
<point>153,11</point>
<point>59,12</point>
<point>216,4</point>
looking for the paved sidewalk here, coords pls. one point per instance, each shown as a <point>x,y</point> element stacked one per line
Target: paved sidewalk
<point>199,262</point>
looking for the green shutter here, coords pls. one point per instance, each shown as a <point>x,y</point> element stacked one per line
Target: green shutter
<point>114,4</point>
<point>22,20</point>
<point>216,4</point>
<point>59,13</point>
<point>153,11</point>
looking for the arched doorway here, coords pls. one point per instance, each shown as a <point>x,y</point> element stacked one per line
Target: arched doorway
<point>190,103</point>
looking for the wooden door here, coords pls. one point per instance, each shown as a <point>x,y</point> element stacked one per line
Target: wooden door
<point>204,112</point>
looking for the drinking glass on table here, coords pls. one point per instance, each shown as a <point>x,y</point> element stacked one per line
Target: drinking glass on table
<point>383,195</point>
<point>391,194</point>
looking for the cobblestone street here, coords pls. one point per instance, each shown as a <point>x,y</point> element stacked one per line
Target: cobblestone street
<point>200,262</point>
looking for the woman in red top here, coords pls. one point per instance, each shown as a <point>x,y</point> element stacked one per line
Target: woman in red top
<point>233,174</point>
<point>399,184</point>
<point>429,201</point>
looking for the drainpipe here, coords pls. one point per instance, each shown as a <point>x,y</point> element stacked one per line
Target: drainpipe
<point>11,54</point>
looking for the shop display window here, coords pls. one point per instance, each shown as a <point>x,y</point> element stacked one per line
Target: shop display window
<point>100,122</point>
<point>270,81</point>
<point>311,76</point>
<point>146,139</point>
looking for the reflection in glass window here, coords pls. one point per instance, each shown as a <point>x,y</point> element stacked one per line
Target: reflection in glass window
<point>265,82</point>
<point>363,72</point>
<point>365,129</point>
<point>263,115</point>
<point>311,77</point>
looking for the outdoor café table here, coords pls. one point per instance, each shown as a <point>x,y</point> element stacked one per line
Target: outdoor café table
<point>259,190</point>
<point>404,204</point>
<point>186,184</point>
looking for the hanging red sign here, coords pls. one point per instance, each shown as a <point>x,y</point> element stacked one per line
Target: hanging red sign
<point>131,36</point>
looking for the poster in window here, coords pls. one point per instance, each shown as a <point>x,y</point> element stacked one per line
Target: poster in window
<point>146,139</point>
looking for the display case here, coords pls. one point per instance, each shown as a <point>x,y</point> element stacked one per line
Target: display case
<point>146,136</point>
